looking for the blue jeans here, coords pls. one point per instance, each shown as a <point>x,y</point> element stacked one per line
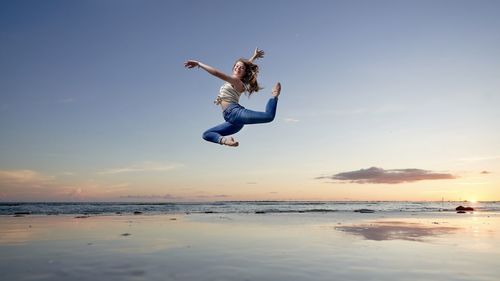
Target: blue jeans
<point>236,117</point>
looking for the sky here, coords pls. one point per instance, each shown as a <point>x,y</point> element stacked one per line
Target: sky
<point>381,100</point>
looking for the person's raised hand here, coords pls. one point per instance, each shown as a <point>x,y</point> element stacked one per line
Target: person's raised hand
<point>191,64</point>
<point>257,54</point>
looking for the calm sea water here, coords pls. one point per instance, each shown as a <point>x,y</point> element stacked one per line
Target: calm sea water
<point>238,207</point>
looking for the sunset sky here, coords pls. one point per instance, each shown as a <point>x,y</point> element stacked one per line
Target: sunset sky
<point>381,100</point>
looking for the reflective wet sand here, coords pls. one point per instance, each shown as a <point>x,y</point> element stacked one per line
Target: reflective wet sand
<point>333,246</point>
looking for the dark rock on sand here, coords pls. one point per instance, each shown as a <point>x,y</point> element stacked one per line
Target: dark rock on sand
<point>260,212</point>
<point>462,208</point>
<point>137,213</point>
<point>126,234</point>
<point>365,211</point>
<point>82,217</point>
<point>22,213</point>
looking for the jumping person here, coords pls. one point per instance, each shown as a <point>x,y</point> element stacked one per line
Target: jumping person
<point>243,79</point>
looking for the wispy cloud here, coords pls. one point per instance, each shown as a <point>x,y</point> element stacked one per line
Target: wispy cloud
<point>485,172</point>
<point>76,193</point>
<point>394,176</point>
<point>20,185</point>
<point>23,177</point>
<point>147,166</point>
<point>291,120</point>
<point>28,184</point>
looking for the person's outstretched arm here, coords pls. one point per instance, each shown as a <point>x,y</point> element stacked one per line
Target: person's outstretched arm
<point>257,54</point>
<point>215,72</point>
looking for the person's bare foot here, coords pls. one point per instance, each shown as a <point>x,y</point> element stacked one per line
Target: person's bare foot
<point>276,90</point>
<point>229,141</point>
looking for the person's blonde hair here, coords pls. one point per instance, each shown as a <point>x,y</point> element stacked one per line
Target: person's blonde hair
<point>250,76</point>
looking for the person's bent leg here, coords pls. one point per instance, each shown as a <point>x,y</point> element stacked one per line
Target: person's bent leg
<point>217,133</point>
<point>246,116</point>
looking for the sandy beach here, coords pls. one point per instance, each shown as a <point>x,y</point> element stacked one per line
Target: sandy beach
<point>316,246</point>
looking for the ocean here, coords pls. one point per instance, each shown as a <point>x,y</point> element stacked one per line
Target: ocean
<point>226,207</point>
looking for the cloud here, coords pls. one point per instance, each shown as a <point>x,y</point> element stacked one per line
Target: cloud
<point>75,193</point>
<point>29,185</point>
<point>395,176</point>
<point>291,120</point>
<point>23,177</point>
<point>142,167</point>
